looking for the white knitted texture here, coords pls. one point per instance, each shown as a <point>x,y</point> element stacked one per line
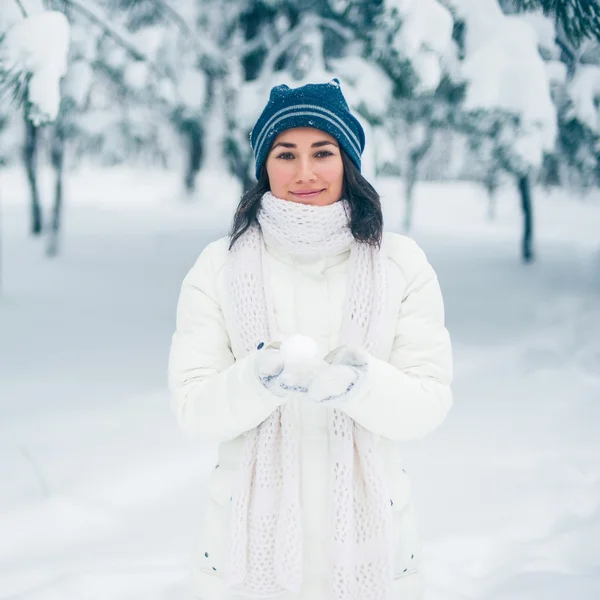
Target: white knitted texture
<point>266,530</point>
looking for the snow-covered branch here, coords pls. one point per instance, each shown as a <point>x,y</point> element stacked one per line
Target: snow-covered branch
<point>21,8</point>
<point>113,31</point>
<point>205,46</point>
<point>308,22</point>
<point>35,51</point>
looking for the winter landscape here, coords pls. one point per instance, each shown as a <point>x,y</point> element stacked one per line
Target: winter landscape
<point>488,157</point>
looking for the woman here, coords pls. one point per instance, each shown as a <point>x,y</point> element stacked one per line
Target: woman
<point>309,345</point>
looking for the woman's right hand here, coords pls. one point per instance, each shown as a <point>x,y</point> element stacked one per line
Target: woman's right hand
<point>288,367</point>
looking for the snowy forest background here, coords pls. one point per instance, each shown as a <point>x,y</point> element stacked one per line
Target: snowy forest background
<point>124,149</point>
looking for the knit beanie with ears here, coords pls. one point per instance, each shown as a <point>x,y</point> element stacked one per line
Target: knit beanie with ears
<point>318,105</point>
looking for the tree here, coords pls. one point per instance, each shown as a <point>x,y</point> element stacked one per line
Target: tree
<point>33,60</point>
<point>413,43</point>
<point>500,60</point>
<point>572,61</point>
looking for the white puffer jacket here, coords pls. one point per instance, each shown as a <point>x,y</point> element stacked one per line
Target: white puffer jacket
<point>407,393</point>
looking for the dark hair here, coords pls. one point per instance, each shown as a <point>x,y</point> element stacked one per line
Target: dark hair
<point>366,217</point>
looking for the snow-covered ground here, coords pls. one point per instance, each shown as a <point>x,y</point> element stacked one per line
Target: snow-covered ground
<point>100,491</point>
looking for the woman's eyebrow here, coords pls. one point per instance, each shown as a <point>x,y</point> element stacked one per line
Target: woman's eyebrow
<point>315,145</point>
<point>284,144</point>
<point>323,143</point>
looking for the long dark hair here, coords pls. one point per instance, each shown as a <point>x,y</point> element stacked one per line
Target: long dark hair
<point>366,218</point>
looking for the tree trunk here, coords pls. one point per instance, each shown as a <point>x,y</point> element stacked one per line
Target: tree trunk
<point>524,184</point>
<point>58,155</point>
<point>416,156</point>
<point>192,129</point>
<point>30,157</point>
<point>411,179</point>
<point>491,185</point>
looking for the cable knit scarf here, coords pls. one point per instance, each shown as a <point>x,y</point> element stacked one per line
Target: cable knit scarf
<point>266,528</point>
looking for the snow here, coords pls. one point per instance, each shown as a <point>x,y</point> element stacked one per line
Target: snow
<point>584,92</point>
<point>149,40</point>
<point>39,45</point>
<point>545,31</point>
<point>191,88</point>
<point>11,14</point>
<point>502,60</point>
<point>135,75</point>
<point>426,24</point>
<point>78,81</point>
<point>363,83</point>
<point>298,349</point>
<point>556,71</point>
<point>425,38</point>
<point>103,492</point>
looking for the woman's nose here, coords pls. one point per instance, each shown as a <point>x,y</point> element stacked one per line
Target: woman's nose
<point>305,171</point>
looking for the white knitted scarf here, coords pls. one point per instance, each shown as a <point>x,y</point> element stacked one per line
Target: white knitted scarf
<point>266,527</point>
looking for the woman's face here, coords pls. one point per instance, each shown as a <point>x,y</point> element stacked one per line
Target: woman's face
<point>305,165</point>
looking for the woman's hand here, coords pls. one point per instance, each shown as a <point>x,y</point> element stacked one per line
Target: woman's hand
<point>289,366</point>
<point>342,373</point>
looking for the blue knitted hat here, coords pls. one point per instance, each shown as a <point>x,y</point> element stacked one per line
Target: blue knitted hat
<point>318,105</point>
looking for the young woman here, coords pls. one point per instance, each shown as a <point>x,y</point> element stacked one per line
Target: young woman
<point>309,345</point>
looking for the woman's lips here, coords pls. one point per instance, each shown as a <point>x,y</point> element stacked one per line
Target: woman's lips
<point>307,193</point>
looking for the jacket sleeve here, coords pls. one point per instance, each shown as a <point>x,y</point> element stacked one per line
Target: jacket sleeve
<point>214,397</point>
<point>410,395</point>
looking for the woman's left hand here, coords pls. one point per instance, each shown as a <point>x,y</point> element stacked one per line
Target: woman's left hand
<point>341,375</point>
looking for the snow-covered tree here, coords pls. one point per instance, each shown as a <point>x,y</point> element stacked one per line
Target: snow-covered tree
<point>413,43</point>
<point>501,60</point>
<point>571,49</point>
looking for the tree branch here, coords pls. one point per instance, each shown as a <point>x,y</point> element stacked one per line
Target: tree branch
<point>205,47</point>
<point>242,50</point>
<point>22,8</point>
<point>98,19</point>
<point>309,21</point>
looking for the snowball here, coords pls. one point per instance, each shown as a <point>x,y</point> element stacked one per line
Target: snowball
<point>299,348</point>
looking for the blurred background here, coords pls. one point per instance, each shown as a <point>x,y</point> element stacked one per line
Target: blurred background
<point>124,149</point>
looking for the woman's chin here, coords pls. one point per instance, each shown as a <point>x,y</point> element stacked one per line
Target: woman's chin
<point>322,199</point>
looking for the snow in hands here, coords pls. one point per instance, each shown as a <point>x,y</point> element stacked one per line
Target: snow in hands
<point>36,49</point>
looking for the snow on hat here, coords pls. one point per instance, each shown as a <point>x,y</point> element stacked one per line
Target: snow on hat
<point>318,105</point>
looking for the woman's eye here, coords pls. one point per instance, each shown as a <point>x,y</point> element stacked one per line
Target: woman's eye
<point>323,154</point>
<point>286,155</point>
